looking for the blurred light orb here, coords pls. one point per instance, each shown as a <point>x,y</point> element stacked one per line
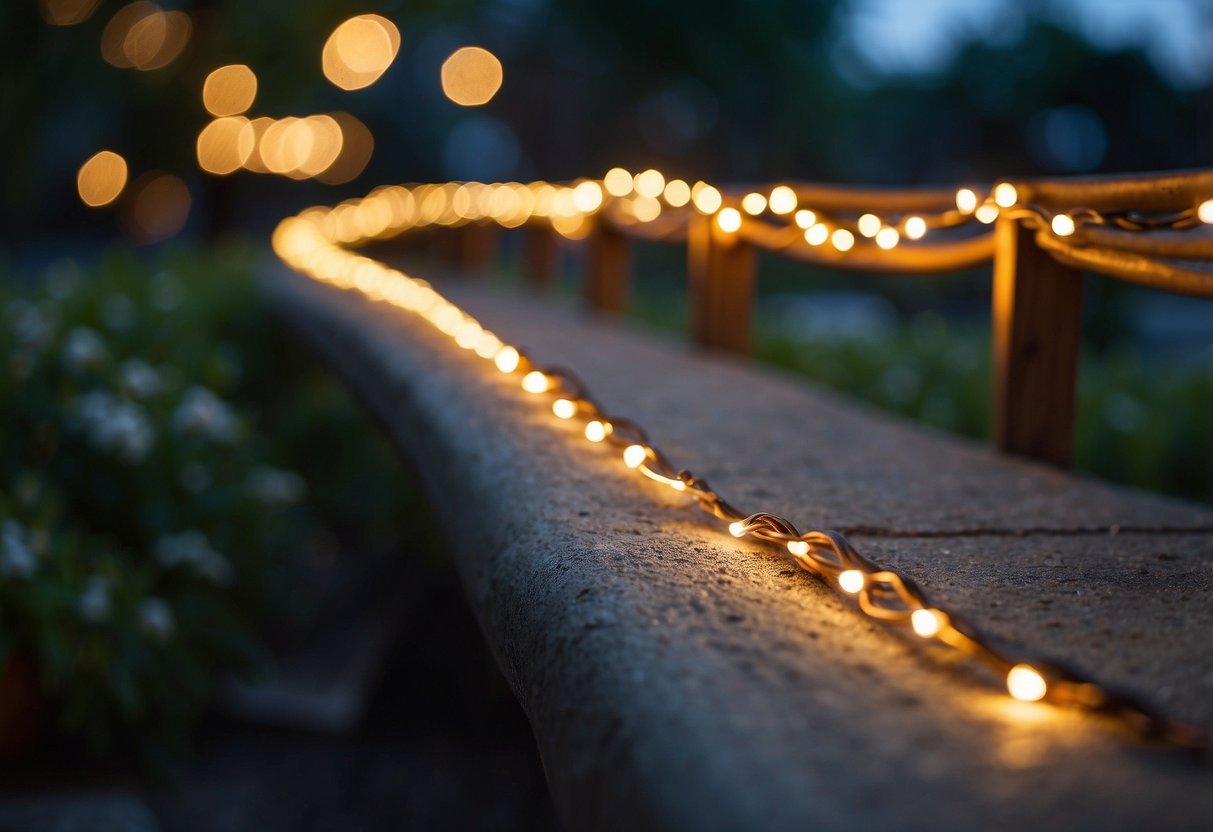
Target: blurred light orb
<point>357,147</point>
<point>225,145</point>
<point>1005,195</point>
<point>817,234</point>
<point>868,225</point>
<point>587,196</point>
<point>101,179</point>
<point>677,193</point>
<point>842,239</point>
<point>986,213</point>
<point>707,199</point>
<point>229,90</point>
<point>359,51</point>
<point>649,183</point>
<point>142,36</point>
<point>805,218</point>
<point>471,76</point>
<point>966,201</point>
<point>915,227</point>
<point>66,12</point>
<point>646,208</point>
<point>729,220</point>
<point>1205,211</point>
<point>754,204</point>
<point>1062,225</point>
<point>618,182</point>
<point>1026,684</point>
<point>782,200</point>
<point>158,207</point>
<point>887,238</point>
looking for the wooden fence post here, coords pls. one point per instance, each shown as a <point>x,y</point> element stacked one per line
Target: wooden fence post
<point>540,255</point>
<point>1037,321</point>
<point>722,273</point>
<point>608,267</point>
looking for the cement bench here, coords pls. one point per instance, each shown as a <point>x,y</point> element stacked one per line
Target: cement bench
<point>677,678</point>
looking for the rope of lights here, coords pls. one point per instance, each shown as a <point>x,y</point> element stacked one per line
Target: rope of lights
<point>313,244</point>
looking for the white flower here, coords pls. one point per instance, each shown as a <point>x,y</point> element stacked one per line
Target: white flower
<point>94,602</point>
<point>139,378</point>
<point>202,413</point>
<point>191,548</point>
<point>16,557</point>
<point>115,427</point>
<point>274,486</point>
<point>156,619</point>
<point>84,349</point>
<point>117,312</point>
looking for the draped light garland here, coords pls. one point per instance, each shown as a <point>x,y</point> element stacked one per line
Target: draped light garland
<point>315,244</point>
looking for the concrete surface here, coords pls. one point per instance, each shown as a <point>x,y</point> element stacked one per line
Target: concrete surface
<point>677,678</point>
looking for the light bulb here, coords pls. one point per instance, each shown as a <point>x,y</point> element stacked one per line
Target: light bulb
<point>535,382</point>
<point>507,359</point>
<point>564,409</point>
<point>635,455</point>
<point>595,431</point>
<point>915,227</point>
<point>925,622</point>
<point>1062,225</point>
<point>851,581</point>
<point>798,547</point>
<point>966,200</point>
<point>1026,684</point>
<point>729,220</point>
<point>1005,195</point>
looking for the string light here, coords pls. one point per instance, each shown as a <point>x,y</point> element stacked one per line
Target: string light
<point>986,213</point>
<point>729,220</point>
<point>1005,195</point>
<point>677,193</point>
<point>754,203</point>
<point>1026,684</point>
<point>471,76</point>
<point>782,200</point>
<point>1205,212</point>
<point>313,243</point>
<point>649,183</point>
<point>1062,225</point>
<point>868,225</point>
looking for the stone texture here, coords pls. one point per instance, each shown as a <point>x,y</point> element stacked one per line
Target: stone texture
<point>678,678</point>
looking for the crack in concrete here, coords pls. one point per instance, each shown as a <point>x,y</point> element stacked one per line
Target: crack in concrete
<point>1031,531</point>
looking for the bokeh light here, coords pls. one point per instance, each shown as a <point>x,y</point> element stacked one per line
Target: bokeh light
<point>66,12</point>
<point>357,146</point>
<point>225,144</point>
<point>142,36</point>
<point>101,178</point>
<point>157,207</point>
<point>359,51</point>
<point>471,76</point>
<point>229,90</point>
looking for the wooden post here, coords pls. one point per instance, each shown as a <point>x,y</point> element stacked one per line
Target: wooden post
<point>722,273</point>
<point>540,255</point>
<point>608,266</point>
<point>1037,321</point>
<point>477,246</point>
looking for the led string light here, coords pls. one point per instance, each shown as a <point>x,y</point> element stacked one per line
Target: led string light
<point>312,243</point>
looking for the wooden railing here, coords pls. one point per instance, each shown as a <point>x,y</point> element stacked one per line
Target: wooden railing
<point>1143,229</point>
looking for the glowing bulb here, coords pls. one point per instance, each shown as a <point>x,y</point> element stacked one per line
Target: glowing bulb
<point>706,198</point>
<point>966,200</point>
<point>729,220</point>
<point>1026,684</point>
<point>987,213</point>
<point>1205,212</point>
<point>799,548</point>
<point>851,581</point>
<point>587,197</point>
<point>635,455</point>
<point>649,183</point>
<point>101,178</point>
<point>782,200</point>
<point>535,382</point>
<point>737,528</point>
<point>468,334</point>
<point>618,182</point>
<point>868,225</point>
<point>595,431</point>
<point>1062,225</point>
<point>507,359</point>
<point>754,204</point>
<point>677,193</point>
<point>925,622</point>
<point>915,227</point>
<point>487,345</point>
<point>817,234</point>
<point>564,409</point>
<point>229,90</point>
<point>805,218</point>
<point>887,238</point>
<point>842,239</point>
<point>1005,195</point>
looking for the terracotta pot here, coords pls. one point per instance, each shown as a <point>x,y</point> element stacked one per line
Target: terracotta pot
<point>22,707</point>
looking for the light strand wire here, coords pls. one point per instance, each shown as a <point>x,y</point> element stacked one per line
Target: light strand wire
<point>314,244</point>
